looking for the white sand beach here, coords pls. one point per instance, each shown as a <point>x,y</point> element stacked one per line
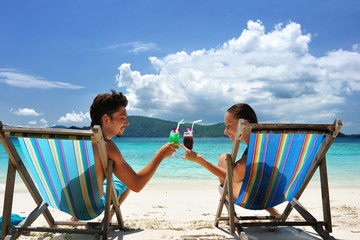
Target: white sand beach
<point>169,211</point>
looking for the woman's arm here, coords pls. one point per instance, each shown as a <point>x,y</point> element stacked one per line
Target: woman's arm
<point>219,171</point>
<point>197,158</point>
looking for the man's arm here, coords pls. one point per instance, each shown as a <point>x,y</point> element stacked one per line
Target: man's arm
<point>136,180</point>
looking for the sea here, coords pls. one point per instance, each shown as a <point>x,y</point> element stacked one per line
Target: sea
<point>343,162</point>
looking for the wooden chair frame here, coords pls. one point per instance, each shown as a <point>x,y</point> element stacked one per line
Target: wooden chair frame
<point>17,164</point>
<point>323,228</point>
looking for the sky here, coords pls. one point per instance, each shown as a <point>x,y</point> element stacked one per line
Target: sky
<point>293,61</point>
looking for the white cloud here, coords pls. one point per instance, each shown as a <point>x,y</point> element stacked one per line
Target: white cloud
<point>25,112</point>
<point>75,117</point>
<point>272,71</point>
<point>13,78</point>
<point>44,123</point>
<point>33,122</point>
<point>137,46</point>
<point>355,47</point>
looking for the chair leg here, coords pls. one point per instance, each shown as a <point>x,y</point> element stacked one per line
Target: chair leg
<point>106,219</point>
<point>227,190</point>
<point>310,218</point>
<point>325,195</point>
<point>118,217</point>
<point>30,219</point>
<point>241,233</point>
<point>8,199</point>
<point>230,194</point>
<point>116,208</point>
<point>221,205</point>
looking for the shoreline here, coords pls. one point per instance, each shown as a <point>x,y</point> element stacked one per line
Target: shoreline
<point>169,211</point>
<point>157,183</point>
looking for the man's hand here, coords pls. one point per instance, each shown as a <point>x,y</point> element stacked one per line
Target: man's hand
<point>168,149</point>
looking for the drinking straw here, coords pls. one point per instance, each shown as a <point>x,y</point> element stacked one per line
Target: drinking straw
<point>177,128</point>
<point>194,123</point>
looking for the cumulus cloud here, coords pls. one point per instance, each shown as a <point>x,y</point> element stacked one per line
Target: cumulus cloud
<point>272,71</point>
<point>43,122</point>
<point>25,112</point>
<point>75,118</point>
<point>14,78</point>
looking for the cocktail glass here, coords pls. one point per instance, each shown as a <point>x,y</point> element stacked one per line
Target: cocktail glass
<point>174,137</point>
<point>188,140</point>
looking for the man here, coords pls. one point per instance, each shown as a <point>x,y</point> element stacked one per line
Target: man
<point>109,111</point>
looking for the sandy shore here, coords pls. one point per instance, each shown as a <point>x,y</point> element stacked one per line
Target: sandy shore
<point>188,212</point>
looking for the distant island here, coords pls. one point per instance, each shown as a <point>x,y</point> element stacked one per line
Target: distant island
<point>152,127</point>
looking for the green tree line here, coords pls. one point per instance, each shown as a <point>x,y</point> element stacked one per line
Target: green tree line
<point>152,127</point>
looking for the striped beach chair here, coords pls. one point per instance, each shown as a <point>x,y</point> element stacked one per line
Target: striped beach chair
<point>281,160</point>
<point>58,168</point>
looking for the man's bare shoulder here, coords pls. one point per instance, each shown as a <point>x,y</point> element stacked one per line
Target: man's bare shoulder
<point>110,145</point>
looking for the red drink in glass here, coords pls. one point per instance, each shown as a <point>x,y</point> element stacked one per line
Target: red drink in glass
<point>188,140</point>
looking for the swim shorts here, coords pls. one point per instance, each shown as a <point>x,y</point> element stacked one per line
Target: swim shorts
<point>120,188</point>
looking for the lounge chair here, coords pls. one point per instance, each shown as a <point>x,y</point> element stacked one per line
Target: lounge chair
<point>63,176</point>
<point>281,160</point>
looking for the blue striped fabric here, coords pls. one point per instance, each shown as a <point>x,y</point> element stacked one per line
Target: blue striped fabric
<point>276,168</point>
<point>64,171</point>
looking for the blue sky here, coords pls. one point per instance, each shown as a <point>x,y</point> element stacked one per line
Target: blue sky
<point>293,61</point>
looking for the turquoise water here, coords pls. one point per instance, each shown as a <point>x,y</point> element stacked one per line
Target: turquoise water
<point>343,160</point>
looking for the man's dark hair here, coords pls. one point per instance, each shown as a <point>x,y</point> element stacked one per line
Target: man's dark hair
<point>106,103</point>
<point>243,111</point>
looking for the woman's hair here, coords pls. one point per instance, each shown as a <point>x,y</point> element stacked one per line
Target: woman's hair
<point>243,111</point>
<point>106,103</point>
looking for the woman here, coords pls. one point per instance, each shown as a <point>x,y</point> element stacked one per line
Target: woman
<point>231,119</point>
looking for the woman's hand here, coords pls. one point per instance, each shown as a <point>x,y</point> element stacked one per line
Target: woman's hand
<point>197,158</point>
<point>191,155</point>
